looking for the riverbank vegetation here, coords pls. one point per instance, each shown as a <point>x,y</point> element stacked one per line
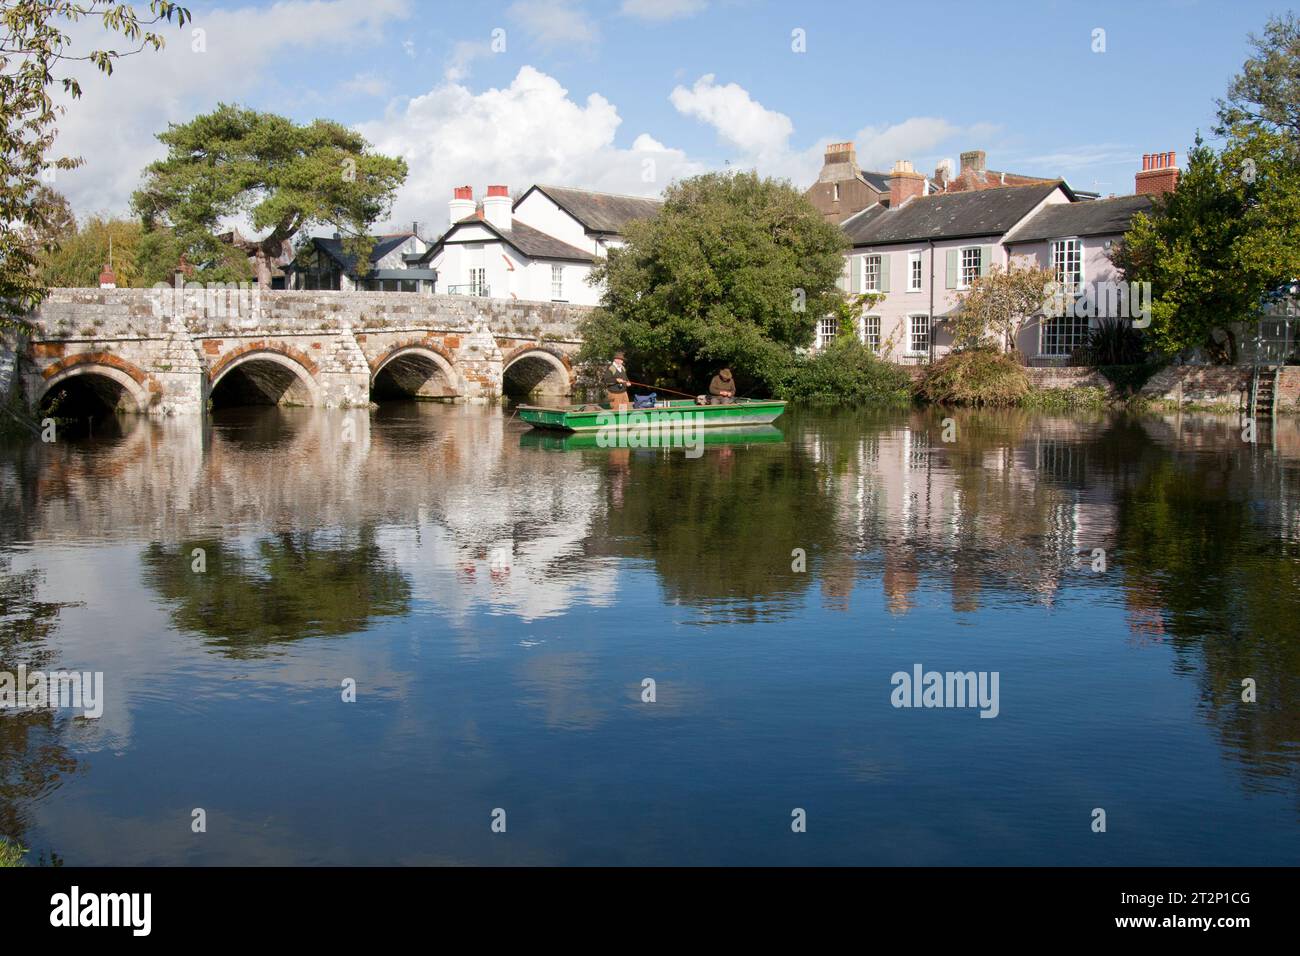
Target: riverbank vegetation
<point>11,854</point>
<point>974,376</point>
<point>846,372</point>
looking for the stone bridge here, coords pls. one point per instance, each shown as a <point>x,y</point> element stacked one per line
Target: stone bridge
<point>165,352</point>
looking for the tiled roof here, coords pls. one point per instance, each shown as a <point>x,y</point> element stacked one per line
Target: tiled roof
<point>1098,217</point>
<point>599,212</point>
<point>988,212</point>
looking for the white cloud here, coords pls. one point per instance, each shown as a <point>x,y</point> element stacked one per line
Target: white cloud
<point>739,119</point>
<point>115,123</point>
<point>556,24</point>
<point>662,9</point>
<point>913,139</point>
<point>529,132</point>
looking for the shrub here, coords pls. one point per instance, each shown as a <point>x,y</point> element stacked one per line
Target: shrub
<point>848,372</point>
<point>975,377</point>
<point>1114,342</point>
<point>11,854</point>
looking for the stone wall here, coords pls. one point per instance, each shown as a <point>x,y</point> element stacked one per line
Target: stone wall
<point>1067,377</point>
<point>166,349</point>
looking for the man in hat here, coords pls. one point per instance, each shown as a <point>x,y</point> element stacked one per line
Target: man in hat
<point>722,390</point>
<point>616,383</point>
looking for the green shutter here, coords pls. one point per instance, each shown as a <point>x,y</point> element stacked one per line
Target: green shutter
<point>986,259</point>
<point>884,272</point>
<point>843,281</point>
<point>951,282</point>
<point>855,274</point>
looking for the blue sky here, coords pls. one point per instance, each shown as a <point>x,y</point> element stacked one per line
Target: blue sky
<point>627,94</point>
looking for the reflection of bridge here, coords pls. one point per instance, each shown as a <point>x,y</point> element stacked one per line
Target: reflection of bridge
<point>168,352</point>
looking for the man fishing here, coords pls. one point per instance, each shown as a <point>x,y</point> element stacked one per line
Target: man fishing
<point>722,390</point>
<point>616,383</point>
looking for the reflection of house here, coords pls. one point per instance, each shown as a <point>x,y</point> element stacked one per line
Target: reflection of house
<point>921,248</point>
<point>541,246</point>
<point>330,264</point>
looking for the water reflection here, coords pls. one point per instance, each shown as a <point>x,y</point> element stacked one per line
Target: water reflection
<point>499,595</point>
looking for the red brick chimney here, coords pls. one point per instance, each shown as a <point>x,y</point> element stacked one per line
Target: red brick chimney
<point>904,183</point>
<point>1158,176</point>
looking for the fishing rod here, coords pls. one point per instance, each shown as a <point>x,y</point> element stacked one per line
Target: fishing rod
<point>661,388</point>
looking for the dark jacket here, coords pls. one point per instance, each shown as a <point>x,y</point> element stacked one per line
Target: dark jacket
<point>720,385</point>
<point>612,376</point>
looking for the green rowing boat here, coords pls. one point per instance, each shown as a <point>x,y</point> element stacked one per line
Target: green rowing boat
<point>554,440</point>
<point>670,414</point>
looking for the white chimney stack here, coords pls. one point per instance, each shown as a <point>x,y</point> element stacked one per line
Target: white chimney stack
<point>462,204</point>
<point>496,207</point>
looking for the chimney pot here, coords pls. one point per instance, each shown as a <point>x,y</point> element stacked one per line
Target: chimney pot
<point>463,192</point>
<point>496,207</point>
<point>1159,174</point>
<point>974,160</point>
<point>904,184</point>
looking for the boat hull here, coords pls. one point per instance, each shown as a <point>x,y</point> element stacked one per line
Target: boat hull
<point>683,414</point>
<point>554,439</point>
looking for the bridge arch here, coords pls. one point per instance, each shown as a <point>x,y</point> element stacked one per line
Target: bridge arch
<point>536,370</point>
<point>264,375</point>
<point>94,382</point>
<point>413,370</point>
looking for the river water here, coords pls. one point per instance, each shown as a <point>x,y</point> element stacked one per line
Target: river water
<point>501,605</point>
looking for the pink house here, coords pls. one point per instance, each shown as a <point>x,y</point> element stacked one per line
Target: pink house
<point>923,249</point>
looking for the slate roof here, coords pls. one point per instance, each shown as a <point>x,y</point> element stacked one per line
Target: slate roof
<point>347,262</point>
<point>538,245</point>
<point>598,212</point>
<point>531,242</point>
<point>988,212</point>
<point>1098,217</point>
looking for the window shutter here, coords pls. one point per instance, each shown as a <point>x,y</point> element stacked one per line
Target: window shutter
<point>855,274</point>
<point>843,281</point>
<point>986,259</point>
<point>883,283</point>
<point>951,279</point>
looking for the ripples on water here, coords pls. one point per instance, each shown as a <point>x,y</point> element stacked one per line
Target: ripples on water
<point>499,599</point>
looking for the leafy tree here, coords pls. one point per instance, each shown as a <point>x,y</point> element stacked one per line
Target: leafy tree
<point>33,50</point>
<point>1215,246</point>
<point>734,269</point>
<point>283,176</point>
<point>999,304</point>
<point>1265,95</point>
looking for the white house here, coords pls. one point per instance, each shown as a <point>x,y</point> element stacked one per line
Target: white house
<point>541,246</point>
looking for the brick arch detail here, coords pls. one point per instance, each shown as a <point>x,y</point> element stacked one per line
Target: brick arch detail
<point>106,359</point>
<point>242,352</point>
<point>425,343</point>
